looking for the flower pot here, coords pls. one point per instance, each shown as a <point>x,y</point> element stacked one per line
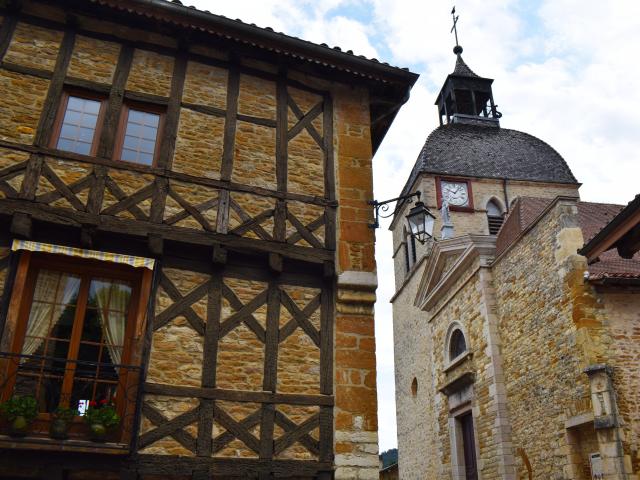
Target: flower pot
<point>59,429</point>
<point>19,426</point>
<point>97,432</point>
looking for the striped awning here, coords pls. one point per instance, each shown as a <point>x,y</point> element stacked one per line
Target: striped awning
<point>136,262</point>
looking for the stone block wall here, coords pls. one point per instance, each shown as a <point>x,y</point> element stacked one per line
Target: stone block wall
<point>535,297</point>
<point>623,316</point>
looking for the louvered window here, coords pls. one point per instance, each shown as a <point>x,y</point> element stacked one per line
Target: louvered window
<point>495,217</point>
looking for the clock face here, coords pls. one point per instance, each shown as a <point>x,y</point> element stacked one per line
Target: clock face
<point>455,193</point>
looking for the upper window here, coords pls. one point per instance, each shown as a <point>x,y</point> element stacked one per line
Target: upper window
<point>78,123</point>
<point>80,120</point>
<point>138,141</point>
<point>457,344</point>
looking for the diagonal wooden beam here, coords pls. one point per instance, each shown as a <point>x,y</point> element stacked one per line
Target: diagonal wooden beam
<point>294,435</point>
<point>244,313</point>
<point>236,428</point>
<point>75,187</point>
<point>303,231</point>
<point>253,223</point>
<point>246,218</point>
<point>225,438</point>
<point>295,237</point>
<point>180,306</point>
<point>60,186</point>
<point>301,318</point>
<point>129,202</point>
<point>175,295</point>
<point>305,121</point>
<point>190,209</point>
<point>166,427</point>
<point>289,425</point>
<point>201,207</point>
<point>120,196</point>
<point>310,128</point>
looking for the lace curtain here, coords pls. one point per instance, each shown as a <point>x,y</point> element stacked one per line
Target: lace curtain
<point>53,292</point>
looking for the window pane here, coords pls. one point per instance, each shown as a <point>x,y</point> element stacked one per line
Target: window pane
<point>79,125</point>
<point>140,137</point>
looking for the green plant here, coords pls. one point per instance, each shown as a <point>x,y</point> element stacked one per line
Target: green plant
<point>20,406</point>
<point>103,413</point>
<point>65,414</point>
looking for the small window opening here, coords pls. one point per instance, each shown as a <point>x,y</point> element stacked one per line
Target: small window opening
<point>457,344</point>
<point>414,387</point>
<point>495,217</point>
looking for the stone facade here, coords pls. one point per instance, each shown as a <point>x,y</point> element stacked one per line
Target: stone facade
<point>279,162</point>
<point>549,369</point>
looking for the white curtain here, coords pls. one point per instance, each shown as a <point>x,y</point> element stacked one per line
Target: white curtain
<point>112,300</point>
<point>52,292</point>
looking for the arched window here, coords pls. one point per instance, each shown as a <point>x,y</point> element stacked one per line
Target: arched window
<point>495,217</point>
<point>457,344</point>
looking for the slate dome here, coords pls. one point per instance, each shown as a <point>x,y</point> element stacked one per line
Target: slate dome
<point>489,152</point>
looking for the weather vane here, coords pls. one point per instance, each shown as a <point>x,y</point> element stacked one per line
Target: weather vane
<point>454,29</point>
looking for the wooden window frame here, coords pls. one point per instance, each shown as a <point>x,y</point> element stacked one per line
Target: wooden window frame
<point>16,325</point>
<point>122,128</point>
<point>454,208</point>
<point>62,110</point>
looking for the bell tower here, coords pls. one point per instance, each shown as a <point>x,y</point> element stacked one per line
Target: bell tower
<point>466,97</point>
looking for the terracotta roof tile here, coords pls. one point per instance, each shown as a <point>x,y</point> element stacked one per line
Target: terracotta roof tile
<point>592,217</point>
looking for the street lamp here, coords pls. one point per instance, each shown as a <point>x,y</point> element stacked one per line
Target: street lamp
<point>420,219</point>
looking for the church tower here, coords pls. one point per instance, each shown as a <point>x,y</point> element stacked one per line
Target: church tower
<point>476,168</point>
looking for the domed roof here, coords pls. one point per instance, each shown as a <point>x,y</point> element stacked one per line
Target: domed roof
<point>489,152</point>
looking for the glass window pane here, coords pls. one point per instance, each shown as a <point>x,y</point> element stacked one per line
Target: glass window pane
<point>140,137</point>
<point>147,146</point>
<point>149,133</point>
<point>135,116</point>
<point>131,142</point>
<point>82,148</point>
<point>79,125</point>
<point>129,155</point>
<point>145,158</point>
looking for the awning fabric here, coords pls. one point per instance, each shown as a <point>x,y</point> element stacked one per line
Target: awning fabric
<point>136,262</point>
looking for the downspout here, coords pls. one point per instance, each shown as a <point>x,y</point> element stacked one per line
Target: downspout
<point>506,197</point>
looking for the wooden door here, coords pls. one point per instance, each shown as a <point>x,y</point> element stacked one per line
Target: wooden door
<point>469,447</point>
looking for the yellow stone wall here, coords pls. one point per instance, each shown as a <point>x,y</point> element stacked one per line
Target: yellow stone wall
<point>623,315</point>
<point>535,299</point>
<point>4,254</point>
<point>94,59</point>
<point>23,98</point>
<point>33,46</point>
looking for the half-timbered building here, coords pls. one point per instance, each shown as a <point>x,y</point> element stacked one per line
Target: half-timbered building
<point>183,232</point>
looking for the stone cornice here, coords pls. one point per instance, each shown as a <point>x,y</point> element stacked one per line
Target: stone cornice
<point>434,284</point>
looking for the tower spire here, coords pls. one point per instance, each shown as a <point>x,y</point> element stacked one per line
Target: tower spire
<point>466,97</point>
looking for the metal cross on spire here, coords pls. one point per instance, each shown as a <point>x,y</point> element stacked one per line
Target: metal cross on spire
<point>454,29</point>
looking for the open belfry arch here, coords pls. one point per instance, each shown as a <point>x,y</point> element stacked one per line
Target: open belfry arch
<point>235,164</point>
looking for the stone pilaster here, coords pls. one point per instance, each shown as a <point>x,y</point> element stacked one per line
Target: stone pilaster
<point>356,421</point>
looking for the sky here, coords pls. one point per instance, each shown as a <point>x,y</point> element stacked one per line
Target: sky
<point>565,71</point>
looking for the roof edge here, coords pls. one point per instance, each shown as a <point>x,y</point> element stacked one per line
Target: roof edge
<point>178,13</point>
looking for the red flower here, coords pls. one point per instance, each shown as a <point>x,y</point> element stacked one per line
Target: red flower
<point>104,401</point>
<point>93,403</point>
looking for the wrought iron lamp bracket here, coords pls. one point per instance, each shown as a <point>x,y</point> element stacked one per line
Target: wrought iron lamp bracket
<point>382,207</point>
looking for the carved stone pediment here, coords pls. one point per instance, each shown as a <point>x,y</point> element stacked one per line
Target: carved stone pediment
<point>449,260</point>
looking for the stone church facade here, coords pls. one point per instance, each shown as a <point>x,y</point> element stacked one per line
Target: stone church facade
<point>516,355</point>
<point>183,233</point>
